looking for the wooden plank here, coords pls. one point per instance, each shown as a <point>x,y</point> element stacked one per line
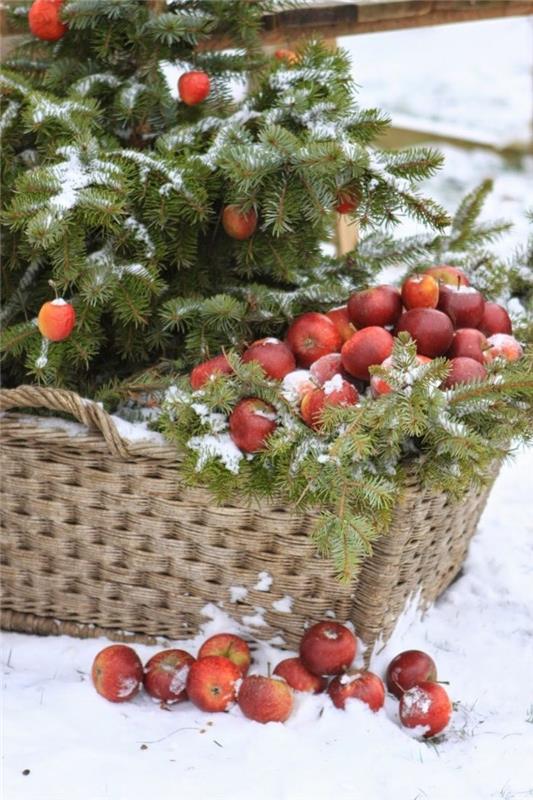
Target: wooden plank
<point>334,19</point>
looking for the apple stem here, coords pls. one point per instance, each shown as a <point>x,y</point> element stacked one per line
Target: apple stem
<point>269,669</point>
<point>445,683</point>
<point>53,284</point>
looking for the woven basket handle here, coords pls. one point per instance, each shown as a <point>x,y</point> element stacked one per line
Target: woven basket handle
<point>85,411</point>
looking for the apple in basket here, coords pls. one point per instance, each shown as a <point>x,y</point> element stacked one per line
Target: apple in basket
<point>328,648</point>
<point>463,304</point>
<point>250,423</point>
<point>358,684</point>
<point>420,291</point>
<point>265,699</point>
<point>464,370</point>
<point>165,675</point>
<point>495,319</point>
<point>445,273</point>
<point>432,330</point>
<point>311,336</point>
<point>212,683</point>
<point>229,646</point>
<point>117,673</point>
<point>381,305</point>
<point>274,356</point>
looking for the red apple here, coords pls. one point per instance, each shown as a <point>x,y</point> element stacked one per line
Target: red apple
<point>165,675</point>
<point>407,669</point>
<point>501,345</point>
<point>212,683</point>
<point>298,677</point>
<point>379,386</point>
<point>239,224</point>
<point>56,320</point>
<point>426,704</point>
<point>381,305</point>
<point>117,673</point>
<point>495,319</point>
<point>265,699</point>
<point>420,291</point>
<point>325,368</point>
<point>193,87</point>
<point>448,275</point>
<point>463,304</point>
<point>347,201</point>
<point>229,646</point>
<point>273,355</point>
<point>250,424</point>
<point>341,319</point>
<point>464,370</point>
<point>359,684</point>
<point>367,347</point>
<point>468,342</point>
<point>44,20</point>
<point>219,365</point>
<point>327,648</point>
<point>336,392</point>
<point>283,54</point>
<point>311,336</point>
<point>431,329</point>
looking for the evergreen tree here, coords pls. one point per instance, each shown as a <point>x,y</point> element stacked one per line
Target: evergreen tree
<point>115,190</point>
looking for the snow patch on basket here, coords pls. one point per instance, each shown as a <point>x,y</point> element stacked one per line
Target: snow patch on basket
<point>256,620</point>
<point>264,583</point>
<point>284,605</point>
<point>237,593</point>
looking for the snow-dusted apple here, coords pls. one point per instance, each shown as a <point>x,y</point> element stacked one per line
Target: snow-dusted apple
<point>296,384</point>
<point>250,424</point>
<point>335,392</point>
<point>420,291</point>
<point>273,355</point>
<point>325,368</point>
<point>230,646</point>
<point>427,704</point>
<point>239,224</point>
<point>380,386</point>
<point>311,336</point>
<point>407,669</point>
<point>381,305</point>
<point>56,319</point>
<point>45,21</point>
<point>358,684</point>
<point>445,273</point>
<point>328,648</point>
<point>495,319</point>
<point>193,87</point>
<point>366,348</point>
<point>265,699</point>
<point>213,682</point>
<point>165,675</point>
<point>470,343</point>
<point>117,673</point>
<point>463,304</point>
<point>298,676</point>
<point>341,319</point>
<point>464,370</point>
<point>219,365</point>
<point>501,345</point>
<point>432,330</point>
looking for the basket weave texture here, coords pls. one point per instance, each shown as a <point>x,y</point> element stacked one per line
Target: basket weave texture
<point>99,536</point>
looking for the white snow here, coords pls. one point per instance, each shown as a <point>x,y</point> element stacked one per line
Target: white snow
<point>127,686</point>
<point>264,583</point>
<point>333,385</point>
<point>216,445</point>
<point>415,701</point>
<point>284,605</point>
<point>295,383</point>
<point>131,431</point>
<point>237,593</point>
<point>480,634</point>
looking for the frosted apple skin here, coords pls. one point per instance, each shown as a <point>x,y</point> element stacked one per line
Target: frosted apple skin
<point>427,704</point>
<point>360,685</point>
<point>463,304</point>
<point>165,675</point>
<point>117,673</point>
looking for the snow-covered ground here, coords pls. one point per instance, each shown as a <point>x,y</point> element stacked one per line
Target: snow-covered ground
<point>77,746</point>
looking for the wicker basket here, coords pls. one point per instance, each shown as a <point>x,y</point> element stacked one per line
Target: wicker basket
<point>100,537</point>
